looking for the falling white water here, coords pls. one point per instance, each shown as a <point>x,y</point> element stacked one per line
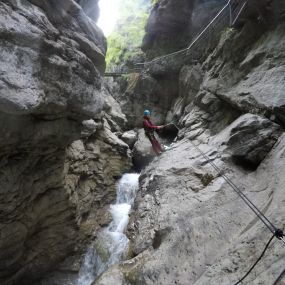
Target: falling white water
<point>111,243</point>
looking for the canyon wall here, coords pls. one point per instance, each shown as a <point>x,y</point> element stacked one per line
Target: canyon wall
<point>189,226</point>
<point>59,155</point>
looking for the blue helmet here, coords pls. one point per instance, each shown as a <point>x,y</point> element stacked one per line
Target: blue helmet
<point>146,113</point>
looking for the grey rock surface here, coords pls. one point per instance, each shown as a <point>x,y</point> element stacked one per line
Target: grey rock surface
<point>195,227</point>
<point>145,92</point>
<point>49,66</point>
<point>189,224</point>
<point>257,83</point>
<point>142,151</point>
<point>114,276</point>
<point>181,20</point>
<point>54,188</point>
<point>129,138</point>
<point>249,139</point>
<point>91,8</point>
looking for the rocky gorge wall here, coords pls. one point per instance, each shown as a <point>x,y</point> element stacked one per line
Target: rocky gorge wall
<point>63,145</point>
<point>59,154</point>
<point>188,226</point>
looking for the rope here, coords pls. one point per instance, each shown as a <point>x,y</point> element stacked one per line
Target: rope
<point>233,8</point>
<point>278,233</point>
<point>280,277</point>
<point>252,267</point>
<point>216,23</point>
<point>244,4</point>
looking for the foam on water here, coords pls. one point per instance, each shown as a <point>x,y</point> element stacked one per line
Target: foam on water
<point>112,239</point>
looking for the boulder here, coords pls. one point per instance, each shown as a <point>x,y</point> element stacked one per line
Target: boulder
<point>89,128</point>
<point>142,150</point>
<point>249,139</point>
<point>129,138</point>
<point>113,276</point>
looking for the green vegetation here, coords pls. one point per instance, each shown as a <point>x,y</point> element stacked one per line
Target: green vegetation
<point>124,43</point>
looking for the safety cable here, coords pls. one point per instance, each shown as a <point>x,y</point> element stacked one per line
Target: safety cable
<point>233,9</point>
<point>252,267</point>
<point>278,233</point>
<point>280,277</point>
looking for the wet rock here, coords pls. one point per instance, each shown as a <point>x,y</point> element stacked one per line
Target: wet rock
<point>182,191</point>
<point>114,276</point>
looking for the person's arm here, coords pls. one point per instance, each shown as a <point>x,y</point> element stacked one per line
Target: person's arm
<point>149,125</point>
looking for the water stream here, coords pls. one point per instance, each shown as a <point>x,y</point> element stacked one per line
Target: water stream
<point>111,243</point>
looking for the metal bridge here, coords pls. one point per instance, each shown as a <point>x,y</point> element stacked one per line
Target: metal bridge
<point>119,72</point>
<point>226,17</point>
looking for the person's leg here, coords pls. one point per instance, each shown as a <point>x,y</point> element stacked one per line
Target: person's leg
<point>158,145</point>
<point>154,147</point>
<point>155,144</point>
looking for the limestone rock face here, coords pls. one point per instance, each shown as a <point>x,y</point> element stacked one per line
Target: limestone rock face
<point>194,226</point>
<point>49,66</point>
<point>164,23</point>
<point>94,165</point>
<point>53,168</point>
<point>171,26</point>
<point>250,138</point>
<point>188,223</point>
<point>146,92</point>
<point>142,151</point>
<point>257,85</point>
<point>181,20</point>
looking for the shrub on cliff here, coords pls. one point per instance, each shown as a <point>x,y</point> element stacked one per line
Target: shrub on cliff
<point>124,43</point>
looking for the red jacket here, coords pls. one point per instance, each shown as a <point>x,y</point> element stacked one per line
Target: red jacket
<point>148,125</point>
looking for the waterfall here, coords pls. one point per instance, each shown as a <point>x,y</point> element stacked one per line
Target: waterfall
<point>111,243</point>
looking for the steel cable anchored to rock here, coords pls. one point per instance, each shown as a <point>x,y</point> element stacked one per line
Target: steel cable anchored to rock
<point>227,17</point>
<point>277,232</point>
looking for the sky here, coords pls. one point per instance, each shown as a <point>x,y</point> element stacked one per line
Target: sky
<point>109,13</point>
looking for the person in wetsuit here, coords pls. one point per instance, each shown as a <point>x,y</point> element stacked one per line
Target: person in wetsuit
<point>149,128</point>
